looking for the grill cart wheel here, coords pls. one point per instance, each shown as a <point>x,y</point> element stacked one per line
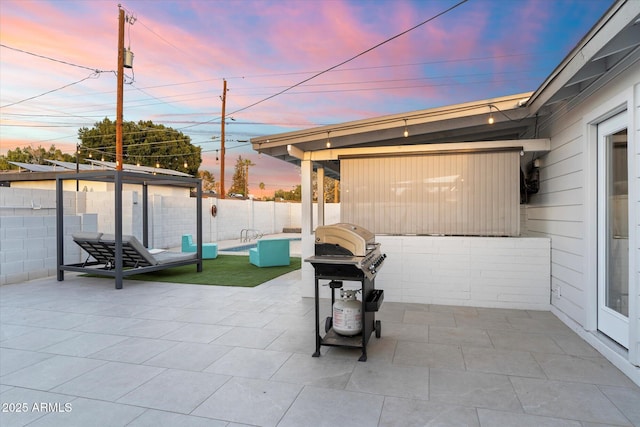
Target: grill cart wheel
<point>328,323</point>
<point>378,329</point>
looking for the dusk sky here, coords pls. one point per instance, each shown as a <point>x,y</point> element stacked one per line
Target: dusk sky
<point>50,52</point>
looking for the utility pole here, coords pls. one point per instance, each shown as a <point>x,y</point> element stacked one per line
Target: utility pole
<point>224,102</point>
<point>120,96</point>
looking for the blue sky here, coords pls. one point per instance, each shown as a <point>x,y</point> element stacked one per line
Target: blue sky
<point>184,49</point>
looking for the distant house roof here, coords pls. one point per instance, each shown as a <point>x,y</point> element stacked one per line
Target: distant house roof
<point>48,172</point>
<point>72,166</point>
<point>34,168</point>
<point>136,168</point>
<point>55,166</point>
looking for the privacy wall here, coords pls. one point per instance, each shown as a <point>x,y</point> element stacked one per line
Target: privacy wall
<point>28,226</point>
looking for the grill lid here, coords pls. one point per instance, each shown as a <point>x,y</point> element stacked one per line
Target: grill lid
<point>344,239</point>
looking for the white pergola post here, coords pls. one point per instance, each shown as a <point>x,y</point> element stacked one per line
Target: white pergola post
<point>308,273</point>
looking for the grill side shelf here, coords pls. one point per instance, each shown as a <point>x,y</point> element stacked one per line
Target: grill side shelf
<point>374,301</point>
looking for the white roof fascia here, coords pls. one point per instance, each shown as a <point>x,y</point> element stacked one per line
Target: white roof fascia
<point>506,103</point>
<point>618,16</point>
<point>527,145</point>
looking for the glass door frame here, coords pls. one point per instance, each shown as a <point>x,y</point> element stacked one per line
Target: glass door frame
<point>609,321</point>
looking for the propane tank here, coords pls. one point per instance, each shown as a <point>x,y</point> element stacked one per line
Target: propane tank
<point>347,313</point>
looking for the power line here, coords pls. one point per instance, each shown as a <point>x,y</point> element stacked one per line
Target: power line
<point>347,60</point>
<point>94,75</point>
<point>95,70</point>
<point>412,64</point>
<point>353,57</point>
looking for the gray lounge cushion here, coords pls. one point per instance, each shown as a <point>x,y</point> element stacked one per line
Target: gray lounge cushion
<point>165,257</point>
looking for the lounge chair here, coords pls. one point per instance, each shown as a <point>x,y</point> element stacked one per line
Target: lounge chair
<point>136,259</point>
<point>270,253</point>
<point>209,250</point>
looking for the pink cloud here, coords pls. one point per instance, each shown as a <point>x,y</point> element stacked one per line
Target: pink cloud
<point>184,49</point>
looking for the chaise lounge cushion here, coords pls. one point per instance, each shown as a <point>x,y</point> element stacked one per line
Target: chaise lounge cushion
<point>134,254</point>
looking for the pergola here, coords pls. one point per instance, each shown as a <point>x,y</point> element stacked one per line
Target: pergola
<point>118,179</point>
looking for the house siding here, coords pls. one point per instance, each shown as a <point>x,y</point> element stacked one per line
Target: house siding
<point>563,210</point>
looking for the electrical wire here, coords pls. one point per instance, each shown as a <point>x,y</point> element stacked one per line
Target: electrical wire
<point>343,62</point>
<point>94,75</point>
<point>413,64</point>
<point>364,52</point>
<point>96,70</point>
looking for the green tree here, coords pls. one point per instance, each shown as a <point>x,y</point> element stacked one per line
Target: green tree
<point>331,190</point>
<point>240,184</point>
<point>293,195</point>
<point>144,142</point>
<point>208,181</point>
<point>35,156</point>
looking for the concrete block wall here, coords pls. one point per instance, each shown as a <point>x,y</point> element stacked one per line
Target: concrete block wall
<point>172,217</point>
<point>467,271</point>
<point>28,233</point>
<point>28,246</point>
<point>103,203</point>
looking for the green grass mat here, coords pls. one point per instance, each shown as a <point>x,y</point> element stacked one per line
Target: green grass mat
<point>225,270</point>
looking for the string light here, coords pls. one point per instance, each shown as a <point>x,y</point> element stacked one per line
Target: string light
<point>406,130</point>
<point>490,116</point>
<point>328,141</point>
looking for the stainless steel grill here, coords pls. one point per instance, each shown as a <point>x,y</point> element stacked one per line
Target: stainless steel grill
<point>347,252</point>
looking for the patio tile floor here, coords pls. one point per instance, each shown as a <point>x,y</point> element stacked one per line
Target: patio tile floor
<point>80,353</point>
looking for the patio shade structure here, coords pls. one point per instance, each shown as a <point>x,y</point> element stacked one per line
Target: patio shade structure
<point>118,178</point>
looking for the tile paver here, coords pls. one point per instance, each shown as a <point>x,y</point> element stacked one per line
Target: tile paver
<point>162,354</point>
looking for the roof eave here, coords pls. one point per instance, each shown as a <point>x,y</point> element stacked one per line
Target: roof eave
<point>619,15</point>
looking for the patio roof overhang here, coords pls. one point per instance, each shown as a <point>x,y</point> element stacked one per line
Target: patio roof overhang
<point>461,123</point>
<point>608,49</point>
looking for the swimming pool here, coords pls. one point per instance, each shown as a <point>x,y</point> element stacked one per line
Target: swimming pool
<point>245,248</point>
<point>242,248</point>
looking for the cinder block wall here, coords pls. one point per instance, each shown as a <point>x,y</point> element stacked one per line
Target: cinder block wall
<point>28,233</point>
<point>509,272</point>
<point>28,228</point>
